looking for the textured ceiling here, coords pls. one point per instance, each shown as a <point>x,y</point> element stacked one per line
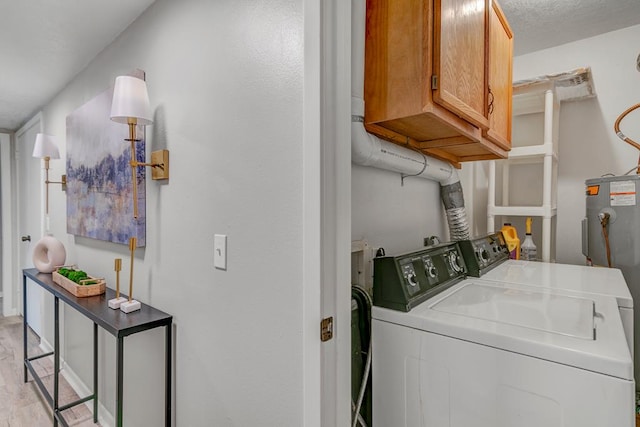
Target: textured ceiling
<point>45,43</point>
<point>540,24</point>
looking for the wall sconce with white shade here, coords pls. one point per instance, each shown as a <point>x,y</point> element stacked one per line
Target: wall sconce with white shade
<point>130,106</point>
<point>47,149</point>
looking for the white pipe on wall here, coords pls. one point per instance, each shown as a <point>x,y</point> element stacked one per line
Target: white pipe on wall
<point>369,150</point>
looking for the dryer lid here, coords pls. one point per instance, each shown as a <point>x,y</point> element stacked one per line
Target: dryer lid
<point>577,278</point>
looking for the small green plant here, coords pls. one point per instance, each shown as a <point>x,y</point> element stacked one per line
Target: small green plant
<point>76,276</point>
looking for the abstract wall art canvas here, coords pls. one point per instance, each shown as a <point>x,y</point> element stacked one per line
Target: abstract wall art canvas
<point>99,191</point>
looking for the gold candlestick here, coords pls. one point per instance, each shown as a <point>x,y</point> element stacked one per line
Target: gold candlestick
<point>131,304</point>
<point>118,267</point>
<point>132,249</point>
<point>118,300</point>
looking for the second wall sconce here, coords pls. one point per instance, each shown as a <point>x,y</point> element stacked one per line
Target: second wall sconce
<point>130,106</point>
<point>47,149</point>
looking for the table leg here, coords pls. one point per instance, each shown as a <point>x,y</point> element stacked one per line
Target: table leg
<point>24,324</point>
<point>56,356</point>
<point>167,378</point>
<point>119,381</point>
<point>95,372</point>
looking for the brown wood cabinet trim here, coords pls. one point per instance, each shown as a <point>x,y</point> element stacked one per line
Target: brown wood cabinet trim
<point>498,139</point>
<point>389,135</point>
<point>480,158</point>
<point>445,142</point>
<point>445,156</point>
<point>490,146</point>
<point>458,123</point>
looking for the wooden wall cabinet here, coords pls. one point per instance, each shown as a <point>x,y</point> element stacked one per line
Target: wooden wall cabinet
<point>500,78</point>
<point>429,65</point>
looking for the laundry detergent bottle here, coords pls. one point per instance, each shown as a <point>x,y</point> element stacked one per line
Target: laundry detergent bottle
<point>511,238</point>
<point>528,250</point>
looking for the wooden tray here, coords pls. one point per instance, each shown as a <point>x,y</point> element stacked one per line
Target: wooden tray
<point>80,291</point>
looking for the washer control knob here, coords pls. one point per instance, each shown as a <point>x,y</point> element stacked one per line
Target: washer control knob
<point>453,261</point>
<point>433,272</point>
<point>413,280</point>
<point>484,255</point>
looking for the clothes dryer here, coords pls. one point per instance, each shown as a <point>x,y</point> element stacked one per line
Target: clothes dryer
<point>573,278</point>
<point>582,280</point>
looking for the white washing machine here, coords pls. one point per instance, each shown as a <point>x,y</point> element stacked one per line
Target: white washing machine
<point>450,351</point>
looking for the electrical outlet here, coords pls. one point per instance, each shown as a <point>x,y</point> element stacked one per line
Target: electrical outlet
<point>220,251</point>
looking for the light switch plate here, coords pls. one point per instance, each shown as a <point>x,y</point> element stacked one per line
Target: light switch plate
<point>220,251</point>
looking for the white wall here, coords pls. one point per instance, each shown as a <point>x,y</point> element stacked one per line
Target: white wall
<point>225,81</point>
<point>392,216</point>
<point>588,146</point>
<point>474,177</point>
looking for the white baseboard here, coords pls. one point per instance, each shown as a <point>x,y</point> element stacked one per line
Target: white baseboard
<point>45,346</point>
<point>105,418</point>
<point>9,312</point>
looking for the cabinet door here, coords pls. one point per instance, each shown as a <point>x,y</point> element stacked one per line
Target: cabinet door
<point>459,61</point>
<point>500,78</point>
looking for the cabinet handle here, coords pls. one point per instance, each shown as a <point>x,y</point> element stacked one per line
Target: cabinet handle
<point>26,238</point>
<point>491,98</point>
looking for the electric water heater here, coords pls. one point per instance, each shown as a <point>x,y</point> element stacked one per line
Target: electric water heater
<point>611,237</point>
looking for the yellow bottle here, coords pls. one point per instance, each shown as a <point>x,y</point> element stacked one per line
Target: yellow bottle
<point>511,238</point>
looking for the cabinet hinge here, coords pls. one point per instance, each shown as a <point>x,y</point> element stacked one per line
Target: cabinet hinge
<point>434,82</point>
<point>326,329</point>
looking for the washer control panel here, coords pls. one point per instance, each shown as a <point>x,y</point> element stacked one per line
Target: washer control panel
<point>401,282</point>
<point>484,253</point>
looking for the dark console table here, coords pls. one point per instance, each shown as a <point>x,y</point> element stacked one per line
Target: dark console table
<point>115,322</point>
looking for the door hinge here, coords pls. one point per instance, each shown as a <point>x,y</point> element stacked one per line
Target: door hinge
<point>326,329</point>
<point>434,82</point>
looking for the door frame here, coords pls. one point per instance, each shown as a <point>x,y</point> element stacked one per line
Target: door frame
<point>9,234</point>
<point>36,120</point>
<point>327,211</point>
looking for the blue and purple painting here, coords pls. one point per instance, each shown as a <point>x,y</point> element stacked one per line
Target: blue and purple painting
<point>99,191</point>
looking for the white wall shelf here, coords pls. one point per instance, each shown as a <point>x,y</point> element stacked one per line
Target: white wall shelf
<point>531,151</point>
<point>531,99</point>
<point>523,211</point>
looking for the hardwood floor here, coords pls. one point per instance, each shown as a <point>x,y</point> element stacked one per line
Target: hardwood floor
<point>21,404</point>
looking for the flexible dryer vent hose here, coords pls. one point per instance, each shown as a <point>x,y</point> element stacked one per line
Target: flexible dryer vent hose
<point>453,200</point>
